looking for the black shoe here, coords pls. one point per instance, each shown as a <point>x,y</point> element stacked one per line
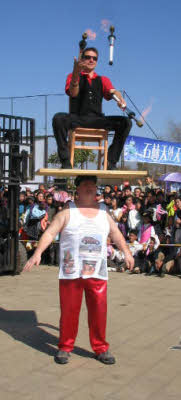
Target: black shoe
<point>106,358</point>
<point>66,164</point>
<point>62,357</point>
<point>111,166</point>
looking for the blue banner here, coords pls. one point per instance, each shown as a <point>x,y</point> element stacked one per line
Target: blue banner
<point>152,151</point>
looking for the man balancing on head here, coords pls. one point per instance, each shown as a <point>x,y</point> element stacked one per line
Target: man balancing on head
<point>84,226</point>
<point>86,90</point>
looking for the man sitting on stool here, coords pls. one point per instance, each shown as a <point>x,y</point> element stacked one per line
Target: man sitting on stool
<point>87,90</point>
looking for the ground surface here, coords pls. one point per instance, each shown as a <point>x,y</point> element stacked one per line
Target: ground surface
<point>144,321</point>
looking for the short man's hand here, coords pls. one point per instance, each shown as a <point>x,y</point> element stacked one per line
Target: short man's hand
<point>129,260</point>
<point>34,260</point>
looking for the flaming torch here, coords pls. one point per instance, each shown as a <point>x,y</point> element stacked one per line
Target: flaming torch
<point>83,43</point>
<point>111,39</point>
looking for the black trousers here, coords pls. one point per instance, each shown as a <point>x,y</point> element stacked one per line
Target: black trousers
<point>63,122</point>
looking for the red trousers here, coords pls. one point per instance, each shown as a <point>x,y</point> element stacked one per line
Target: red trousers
<point>71,293</point>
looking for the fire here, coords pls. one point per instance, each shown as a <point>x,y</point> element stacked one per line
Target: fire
<point>105,25</point>
<point>145,113</point>
<point>91,35</point>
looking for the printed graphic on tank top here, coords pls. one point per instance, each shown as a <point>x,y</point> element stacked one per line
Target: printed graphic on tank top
<point>68,262</point>
<point>83,245</point>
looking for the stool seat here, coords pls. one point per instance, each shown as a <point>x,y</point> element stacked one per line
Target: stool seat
<point>89,135</point>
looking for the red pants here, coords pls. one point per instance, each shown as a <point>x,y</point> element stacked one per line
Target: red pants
<point>71,292</point>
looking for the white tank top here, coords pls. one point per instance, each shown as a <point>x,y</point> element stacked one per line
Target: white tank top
<point>83,245</point>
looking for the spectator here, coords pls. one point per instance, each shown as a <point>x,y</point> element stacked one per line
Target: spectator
<point>149,184</point>
<point>128,206</point>
<point>123,225</point>
<point>134,216</point>
<point>107,200</point>
<point>147,230</point>
<point>137,192</point>
<point>99,197</point>
<point>115,211</point>
<point>177,222</point>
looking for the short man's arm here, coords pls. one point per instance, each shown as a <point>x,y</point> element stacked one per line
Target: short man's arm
<point>119,241</point>
<point>46,239</point>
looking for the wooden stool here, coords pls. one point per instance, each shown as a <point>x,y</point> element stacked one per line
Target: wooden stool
<point>89,135</point>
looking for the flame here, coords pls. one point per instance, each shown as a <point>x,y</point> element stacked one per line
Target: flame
<point>145,113</point>
<point>105,25</point>
<point>91,35</point>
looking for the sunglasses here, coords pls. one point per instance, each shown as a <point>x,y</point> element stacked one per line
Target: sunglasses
<point>89,58</point>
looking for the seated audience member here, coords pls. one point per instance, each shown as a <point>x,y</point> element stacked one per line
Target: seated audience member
<point>42,188</point>
<point>137,192</point>
<point>170,253</point>
<point>135,247</point>
<point>129,205</point>
<point>171,207</point>
<point>151,199</point>
<point>22,204</point>
<point>135,216</point>
<point>35,220</point>
<point>51,208</point>
<point>115,211</point>
<point>123,225</point>
<point>114,257</point>
<point>146,257</point>
<point>159,262</point>
<point>160,199</point>
<point>28,192</point>
<point>177,265</point>
<point>169,228</point>
<point>149,184</point>
<point>125,193</point>
<point>99,197</point>
<point>177,221</point>
<point>107,189</point>
<point>147,230</point>
<point>107,200</point>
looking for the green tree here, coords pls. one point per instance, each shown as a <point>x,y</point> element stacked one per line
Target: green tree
<point>81,158</point>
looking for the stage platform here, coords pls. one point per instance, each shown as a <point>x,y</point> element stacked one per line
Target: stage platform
<point>64,173</point>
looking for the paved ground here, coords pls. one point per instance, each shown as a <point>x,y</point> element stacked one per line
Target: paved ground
<point>144,322</point>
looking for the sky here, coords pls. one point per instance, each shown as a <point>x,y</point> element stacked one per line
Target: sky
<point>39,40</point>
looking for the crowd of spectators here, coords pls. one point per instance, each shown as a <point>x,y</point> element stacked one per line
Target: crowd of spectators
<point>149,219</point>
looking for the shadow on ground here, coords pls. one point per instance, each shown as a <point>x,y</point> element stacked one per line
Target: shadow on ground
<point>24,327</point>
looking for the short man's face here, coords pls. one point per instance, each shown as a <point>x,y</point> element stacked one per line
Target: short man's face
<point>90,60</point>
<point>87,187</point>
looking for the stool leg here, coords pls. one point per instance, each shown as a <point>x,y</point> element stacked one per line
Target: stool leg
<point>72,149</point>
<point>105,152</point>
<point>99,154</point>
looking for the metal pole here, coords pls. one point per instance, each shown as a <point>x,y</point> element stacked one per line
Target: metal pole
<point>122,154</point>
<point>12,111</point>
<point>46,115</point>
<point>46,137</point>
